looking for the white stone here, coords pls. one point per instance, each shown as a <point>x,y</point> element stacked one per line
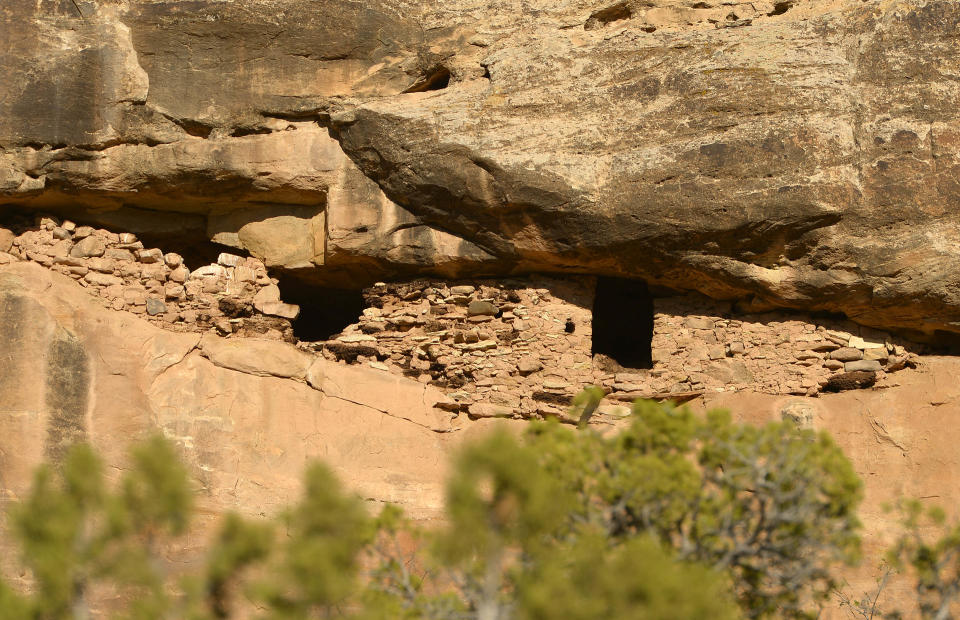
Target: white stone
<point>357,338</point>
<point>862,344</point>
<point>102,279</point>
<point>229,260</point>
<point>282,310</point>
<point>150,256</point>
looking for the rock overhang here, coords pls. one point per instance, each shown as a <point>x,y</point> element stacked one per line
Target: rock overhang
<point>785,162</point>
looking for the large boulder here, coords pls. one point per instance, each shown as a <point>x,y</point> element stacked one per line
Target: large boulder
<point>806,161</point>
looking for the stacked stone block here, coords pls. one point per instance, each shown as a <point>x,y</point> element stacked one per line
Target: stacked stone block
<point>701,344</point>
<point>523,347</point>
<point>498,347</point>
<point>234,295</point>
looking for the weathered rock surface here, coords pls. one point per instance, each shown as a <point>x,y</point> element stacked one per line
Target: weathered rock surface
<point>164,118</point>
<point>807,160</point>
<point>799,154</point>
<point>71,370</point>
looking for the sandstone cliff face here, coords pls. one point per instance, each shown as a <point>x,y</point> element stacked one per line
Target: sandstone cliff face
<point>248,414</point>
<point>798,153</point>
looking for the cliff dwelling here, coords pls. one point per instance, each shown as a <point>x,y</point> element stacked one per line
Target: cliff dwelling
<point>505,347</point>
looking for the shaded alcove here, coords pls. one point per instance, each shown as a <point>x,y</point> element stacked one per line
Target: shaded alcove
<point>324,312</point>
<point>437,78</point>
<point>623,321</point>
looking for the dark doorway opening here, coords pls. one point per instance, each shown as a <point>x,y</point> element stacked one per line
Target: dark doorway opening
<point>324,312</point>
<point>623,322</point>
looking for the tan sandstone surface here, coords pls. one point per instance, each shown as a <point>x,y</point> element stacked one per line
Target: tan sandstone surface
<point>247,414</point>
<point>902,441</point>
<point>180,180</point>
<point>247,418</point>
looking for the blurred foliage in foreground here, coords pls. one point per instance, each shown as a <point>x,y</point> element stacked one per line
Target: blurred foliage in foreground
<point>676,516</point>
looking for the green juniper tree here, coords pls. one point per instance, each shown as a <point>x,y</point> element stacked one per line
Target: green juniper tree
<point>674,516</point>
<point>775,506</point>
<point>314,568</point>
<point>75,533</point>
<point>514,549</point>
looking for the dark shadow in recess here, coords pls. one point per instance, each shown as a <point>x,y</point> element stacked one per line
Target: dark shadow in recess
<point>780,8</point>
<point>324,312</point>
<point>616,12</point>
<point>437,78</point>
<point>623,322</point>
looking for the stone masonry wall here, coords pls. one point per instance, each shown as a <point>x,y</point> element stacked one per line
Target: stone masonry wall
<point>235,295</point>
<point>703,345</point>
<point>518,347</point>
<point>500,348</point>
<point>523,347</point>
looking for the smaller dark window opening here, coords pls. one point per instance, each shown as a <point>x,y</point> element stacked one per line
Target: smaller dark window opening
<point>324,312</point>
<point>945,343</point>
<point>192,127</point>
<point>240,132</point>
<point>780,8</point>
<point>623,322</point>
<point>437,78</point>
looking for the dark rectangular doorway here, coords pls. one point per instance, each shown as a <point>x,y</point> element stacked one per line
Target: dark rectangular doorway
<point>623,321</point>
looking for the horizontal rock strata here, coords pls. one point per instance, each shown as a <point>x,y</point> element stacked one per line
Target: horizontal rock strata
<point>784,154</point>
